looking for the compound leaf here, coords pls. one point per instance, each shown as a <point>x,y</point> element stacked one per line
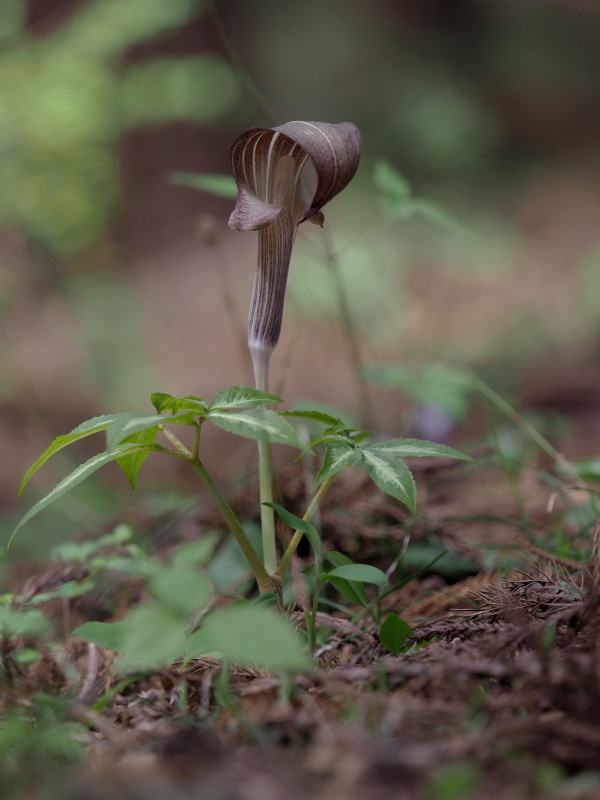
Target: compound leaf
<point>298,524</point>
<point>337,456</point>
<point>416,448</point>
<point>86,428</point>
<point>79,474</point>
<point>391,475</point>
<point>241,397</point>
<point>257,423</point>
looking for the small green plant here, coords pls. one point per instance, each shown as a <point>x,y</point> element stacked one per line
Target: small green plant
<point>267,165</point>
<point>39,742</point>
<point>394,632</point>
<point>176,622</point>
<point>20,630</point>
<point>457,780</point>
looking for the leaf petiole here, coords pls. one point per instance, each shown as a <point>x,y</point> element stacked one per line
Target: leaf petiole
<point>297,537</point>
<point>179,446</point>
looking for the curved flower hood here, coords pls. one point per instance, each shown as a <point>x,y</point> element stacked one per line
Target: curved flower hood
<point>267,165</point>
<point>257,154</point>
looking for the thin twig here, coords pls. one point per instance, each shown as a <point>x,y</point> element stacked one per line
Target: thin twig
<point>352,341</point>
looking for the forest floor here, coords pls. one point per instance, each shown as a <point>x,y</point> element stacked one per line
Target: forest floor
<point>495,693</point>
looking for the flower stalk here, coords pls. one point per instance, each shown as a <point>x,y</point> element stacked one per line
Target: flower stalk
<point>267,165</point>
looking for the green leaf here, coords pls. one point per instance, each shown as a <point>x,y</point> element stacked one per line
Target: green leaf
<point>394,632</point>
<point>229,567</point>
<point>116,688</point>
<point>86,428</point>
<point>17,622</point>
<point>129,423</point>
<point>257,423</point>
<point>153,637</point>
<point>28,655</point>
<point>392,476</point>
<point>196,553</point>
<point>132,463</point>
<point>180,589</point>
<point>298,524</point>
<point>430,555</point>
<point>393,186</point>
<point>360,436</point>
<point>109,635</point>
<point>354,591</point>
<point>241,397</point>
<point>13,18</point>
<point>195,406</point>
<point>166,402</point>
<point>120,534</point>
<point>364,573</point>
<point>162,401</point>
<point>416,448</point>
<point>217,185</point>
<point>438,215</point>
<point>311,631</point>
<point>317,416</point>
<point>257,636</point>
<point>587,468</point>
<point>74,551</point>
<point>267,599</point>
<point>337,456</point>
<point>79,474</point>
<point>336,438</point>
<point>198,644</point>
<point>70,590</point>
<point>81,551</point>
<point>448,386</point>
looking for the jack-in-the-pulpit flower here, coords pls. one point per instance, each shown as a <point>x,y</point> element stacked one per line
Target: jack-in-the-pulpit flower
<point>267,166</point>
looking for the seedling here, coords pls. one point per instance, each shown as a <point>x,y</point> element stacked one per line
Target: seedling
<point>16,625</point>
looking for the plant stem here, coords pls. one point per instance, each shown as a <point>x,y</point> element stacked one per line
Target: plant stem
<point>179,446</point>
<point>296,538</point>
<point>543,443</point>
<point>196,444</point>
<point>240,70</point>
<point>223,276</point>
<point>260,362</point>
<point>508,472</point>
<point>267,516</point>
<point>312,639</point>
<point>265,583</point>
<point>352,342</point>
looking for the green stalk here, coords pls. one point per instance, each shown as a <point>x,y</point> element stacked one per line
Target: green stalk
<point>179,446</point>
<point>196,444</point>
<point>526,426</point>
<point>312,638</point>
<point>240,70</point>
<point>260,362</point>
<point>297,537</point>
<point>265,583</point>
<point>267,515</point>
<point>349,330</point>
<point>224,280</point>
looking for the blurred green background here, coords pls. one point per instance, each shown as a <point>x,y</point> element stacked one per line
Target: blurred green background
<point>112,276</point>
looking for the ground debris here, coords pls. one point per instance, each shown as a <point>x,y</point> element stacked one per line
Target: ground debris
<point>498,679</point>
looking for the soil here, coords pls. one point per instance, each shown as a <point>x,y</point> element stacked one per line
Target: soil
<point>496,693</point>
